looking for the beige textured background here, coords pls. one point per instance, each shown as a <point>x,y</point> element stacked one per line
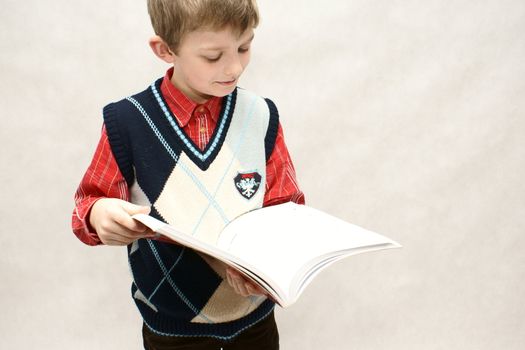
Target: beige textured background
<point>405,117</point>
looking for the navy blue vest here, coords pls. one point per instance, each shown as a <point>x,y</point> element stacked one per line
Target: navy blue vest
<point>171,284</point>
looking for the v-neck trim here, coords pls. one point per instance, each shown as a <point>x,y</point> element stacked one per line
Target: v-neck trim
<point>202,158</point>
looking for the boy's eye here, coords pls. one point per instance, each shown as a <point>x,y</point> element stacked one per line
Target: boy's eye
<point>213,59</point>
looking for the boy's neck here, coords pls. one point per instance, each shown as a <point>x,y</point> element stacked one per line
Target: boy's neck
<point>194,96</point>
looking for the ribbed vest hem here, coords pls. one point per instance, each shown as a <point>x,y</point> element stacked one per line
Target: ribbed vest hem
<point>168,326</point>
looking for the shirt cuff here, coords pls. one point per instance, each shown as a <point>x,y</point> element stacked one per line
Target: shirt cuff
<point>80,222</point>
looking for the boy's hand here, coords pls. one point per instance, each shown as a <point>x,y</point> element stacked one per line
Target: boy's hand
<point>242,285</point>
<point>111,219</point>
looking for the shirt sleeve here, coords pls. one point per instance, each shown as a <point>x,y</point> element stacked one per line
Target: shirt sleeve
<point>102,179</point>
<point>281,182</point>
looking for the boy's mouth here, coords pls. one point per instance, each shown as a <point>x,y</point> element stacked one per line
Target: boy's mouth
<point>227,83</point>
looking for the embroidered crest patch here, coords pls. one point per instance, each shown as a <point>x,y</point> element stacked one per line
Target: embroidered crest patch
<point>247,183</point>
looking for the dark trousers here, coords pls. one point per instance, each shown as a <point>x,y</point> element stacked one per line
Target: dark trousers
<point>261,336</point>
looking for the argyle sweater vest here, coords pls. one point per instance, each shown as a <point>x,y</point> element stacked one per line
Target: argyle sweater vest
<point>178,291</point>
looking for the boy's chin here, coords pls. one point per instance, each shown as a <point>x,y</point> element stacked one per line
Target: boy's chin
<point>224,91</point>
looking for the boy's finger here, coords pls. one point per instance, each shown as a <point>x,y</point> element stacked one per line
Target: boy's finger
<point>229,278</point>
<point>250,288</point>
<point>116,242</point>
<point>232,272</point>
<point>150,233</point>
<point>125,220</point>
<point>118,230</point>
<point>133,209</point>
<point>242,288</point>
<point>238,284</point>
<point>254,289</point>
<point>138,227</point>
<point>245,285</point>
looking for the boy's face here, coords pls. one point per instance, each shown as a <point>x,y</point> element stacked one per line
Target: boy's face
<point>210,63</point>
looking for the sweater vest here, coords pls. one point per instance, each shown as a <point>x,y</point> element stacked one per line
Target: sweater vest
<point>178,291</point>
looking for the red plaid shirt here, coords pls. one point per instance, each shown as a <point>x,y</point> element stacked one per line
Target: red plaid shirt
<point>104,179</point>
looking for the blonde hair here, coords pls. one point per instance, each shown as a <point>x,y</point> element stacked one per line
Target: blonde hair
<point>172,19</point>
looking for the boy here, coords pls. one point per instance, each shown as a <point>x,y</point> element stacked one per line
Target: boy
<point>178,151</point>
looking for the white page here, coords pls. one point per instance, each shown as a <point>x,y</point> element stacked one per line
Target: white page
<point>280,240</point>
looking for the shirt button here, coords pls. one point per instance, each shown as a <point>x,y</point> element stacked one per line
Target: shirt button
<point>202,130</point>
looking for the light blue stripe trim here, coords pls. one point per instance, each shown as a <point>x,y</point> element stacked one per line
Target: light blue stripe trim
<point>172,283</point>
<point>236,150</point>
<point>154,128</point>
<point>183,137</point>
<point>169,271</point>
<point>176,158</point>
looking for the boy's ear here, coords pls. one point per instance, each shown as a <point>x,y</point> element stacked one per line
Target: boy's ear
<point>161,49</point>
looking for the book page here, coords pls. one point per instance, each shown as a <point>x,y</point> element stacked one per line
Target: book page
<point>281,241</point>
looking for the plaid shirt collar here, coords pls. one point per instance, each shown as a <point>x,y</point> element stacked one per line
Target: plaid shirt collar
<point>182,107</point>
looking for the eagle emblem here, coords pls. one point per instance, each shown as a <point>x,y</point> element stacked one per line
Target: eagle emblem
<point>247,183</point>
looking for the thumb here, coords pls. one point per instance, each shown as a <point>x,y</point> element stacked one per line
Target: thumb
<point>133,209</point>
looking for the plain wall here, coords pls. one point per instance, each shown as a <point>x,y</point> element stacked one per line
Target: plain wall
<point>405,117</point>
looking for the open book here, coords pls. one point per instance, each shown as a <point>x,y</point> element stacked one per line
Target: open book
<point>281,248</point>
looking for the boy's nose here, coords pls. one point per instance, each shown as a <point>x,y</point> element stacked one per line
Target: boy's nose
<point>234,68</point>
